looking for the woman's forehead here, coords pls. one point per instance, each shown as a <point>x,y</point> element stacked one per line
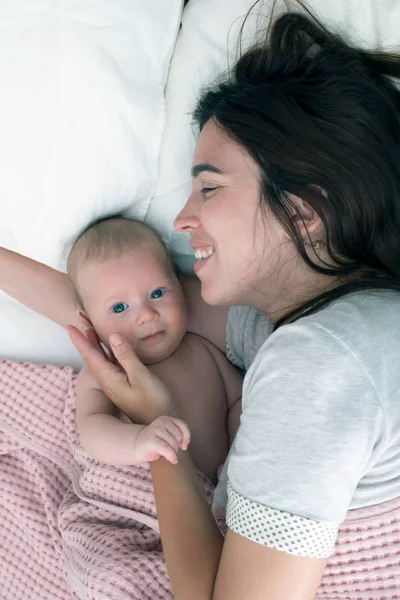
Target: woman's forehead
<point>212,141</point>
<point>215,148</point>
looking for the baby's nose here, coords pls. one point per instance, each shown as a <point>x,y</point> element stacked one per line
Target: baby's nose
<point>146,314</point>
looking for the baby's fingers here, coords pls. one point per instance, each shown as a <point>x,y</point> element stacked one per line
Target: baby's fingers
<point>164,449</point>
<point>173,438</point>
<point>176,428</point>
<point>184,433</point>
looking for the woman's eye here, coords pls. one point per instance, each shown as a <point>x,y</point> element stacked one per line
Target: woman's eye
<point>207,190</point>
<point>157,293</point>
<point>119,307</point>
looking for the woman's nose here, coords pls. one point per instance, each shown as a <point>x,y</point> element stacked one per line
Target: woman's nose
<point>187,218</point>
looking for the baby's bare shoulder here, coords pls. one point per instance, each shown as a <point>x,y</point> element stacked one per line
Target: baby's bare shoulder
<point>231,377</point>
<point>201,345</point>
<point>193,360</point>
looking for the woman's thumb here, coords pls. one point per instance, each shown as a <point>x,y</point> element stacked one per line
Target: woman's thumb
<point>116,339</point>
<point>124,353</point>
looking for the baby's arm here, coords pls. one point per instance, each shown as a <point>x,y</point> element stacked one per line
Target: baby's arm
<point>107,439</point>
<point>39,287</point>
<point>233,387</point>
<point>233,382</point>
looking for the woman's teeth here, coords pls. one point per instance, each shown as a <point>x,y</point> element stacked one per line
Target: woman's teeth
<point>203,253</point>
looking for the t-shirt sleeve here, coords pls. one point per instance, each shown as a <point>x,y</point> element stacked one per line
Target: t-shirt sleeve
<point>312,425</point>
<point>236,325</point>
<point>247,328</point>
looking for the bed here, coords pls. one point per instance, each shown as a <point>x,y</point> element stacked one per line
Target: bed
<point>94,97</point>
<point>95,119</point>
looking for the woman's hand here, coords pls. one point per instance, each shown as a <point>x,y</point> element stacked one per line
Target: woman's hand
<point>130,386</point>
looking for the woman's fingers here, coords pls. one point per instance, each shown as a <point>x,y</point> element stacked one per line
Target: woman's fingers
<point>98,363</point>
<point>84,346</point>
<point>130,385</point>
<point>126,356</point>
<point>93,338</point>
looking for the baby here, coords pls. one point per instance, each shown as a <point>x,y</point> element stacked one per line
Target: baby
<point>124,281</point>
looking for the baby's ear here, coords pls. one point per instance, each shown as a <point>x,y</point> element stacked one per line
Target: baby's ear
<point>86,322</point>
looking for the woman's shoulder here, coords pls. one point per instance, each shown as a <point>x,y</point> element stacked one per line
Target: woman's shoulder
<point>247,328</point>
<point>325,392</point>
<point>364,310</point>
<point>354,321</point>
<point>358,335</point>
<point>367,324</point>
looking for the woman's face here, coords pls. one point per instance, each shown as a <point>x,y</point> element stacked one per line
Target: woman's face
<point>225,220</point>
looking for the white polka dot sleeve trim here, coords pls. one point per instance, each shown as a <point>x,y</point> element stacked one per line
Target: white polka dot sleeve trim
<point>278,529</point>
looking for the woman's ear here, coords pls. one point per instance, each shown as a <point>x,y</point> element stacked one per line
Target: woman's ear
<point>306,218</point>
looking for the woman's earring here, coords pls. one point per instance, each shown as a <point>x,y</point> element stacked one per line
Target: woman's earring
<point>318,245</point>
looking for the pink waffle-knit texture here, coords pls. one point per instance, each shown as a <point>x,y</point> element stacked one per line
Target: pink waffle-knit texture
<point>70,526</point>
<point>73,528</point>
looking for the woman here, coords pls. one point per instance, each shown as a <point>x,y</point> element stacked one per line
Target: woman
<point>295,198</point>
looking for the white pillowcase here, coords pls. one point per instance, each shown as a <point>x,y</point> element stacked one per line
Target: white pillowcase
<point>201,53</point>
<point>82,114</point>
<point>209,28</point>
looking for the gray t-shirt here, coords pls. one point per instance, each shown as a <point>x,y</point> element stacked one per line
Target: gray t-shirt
<point>320,429</point>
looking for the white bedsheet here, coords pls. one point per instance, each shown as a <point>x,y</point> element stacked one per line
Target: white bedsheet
<point>83,128</point>
<point>82,113</point>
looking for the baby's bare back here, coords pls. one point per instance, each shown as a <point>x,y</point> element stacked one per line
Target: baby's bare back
<point>194,380</point>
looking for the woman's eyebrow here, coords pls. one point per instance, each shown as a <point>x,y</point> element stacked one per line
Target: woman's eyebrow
<point>197,169</point>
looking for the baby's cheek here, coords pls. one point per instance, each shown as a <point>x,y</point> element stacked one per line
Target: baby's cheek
<point>178,326</point>
<point>179,316</point>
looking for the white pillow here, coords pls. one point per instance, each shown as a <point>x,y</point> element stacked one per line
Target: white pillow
<point>201,53</point>
<point>209,28</point>
<point>82,114</point>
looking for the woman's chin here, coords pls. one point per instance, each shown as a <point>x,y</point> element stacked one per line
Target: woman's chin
<point>211,295</point>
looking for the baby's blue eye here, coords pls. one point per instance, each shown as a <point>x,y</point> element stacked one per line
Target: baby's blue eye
<point>157,293</point>
<point>119,307</point>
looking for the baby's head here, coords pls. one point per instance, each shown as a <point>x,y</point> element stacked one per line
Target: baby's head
<point>126,283</point>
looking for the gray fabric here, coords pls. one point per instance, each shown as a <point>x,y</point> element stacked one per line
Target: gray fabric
<point>246,330</point>
<point>320,429</point>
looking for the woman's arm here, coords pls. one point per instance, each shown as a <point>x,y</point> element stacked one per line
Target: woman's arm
<point>39,287</point>
<point>202,566</point>
<point>204,319</point>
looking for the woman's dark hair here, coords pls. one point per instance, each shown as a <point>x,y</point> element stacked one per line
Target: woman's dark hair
<point>322,121</point>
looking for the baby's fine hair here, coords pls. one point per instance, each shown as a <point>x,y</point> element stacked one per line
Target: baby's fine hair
<point>110,237</point>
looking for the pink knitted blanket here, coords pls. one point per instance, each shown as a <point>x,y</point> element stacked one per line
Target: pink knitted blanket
<point>72,528</point>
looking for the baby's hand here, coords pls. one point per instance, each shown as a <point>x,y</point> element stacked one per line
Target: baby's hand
<point>163,437</point>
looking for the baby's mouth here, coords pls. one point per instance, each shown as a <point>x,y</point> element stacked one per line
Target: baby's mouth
<point>153,336</point>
